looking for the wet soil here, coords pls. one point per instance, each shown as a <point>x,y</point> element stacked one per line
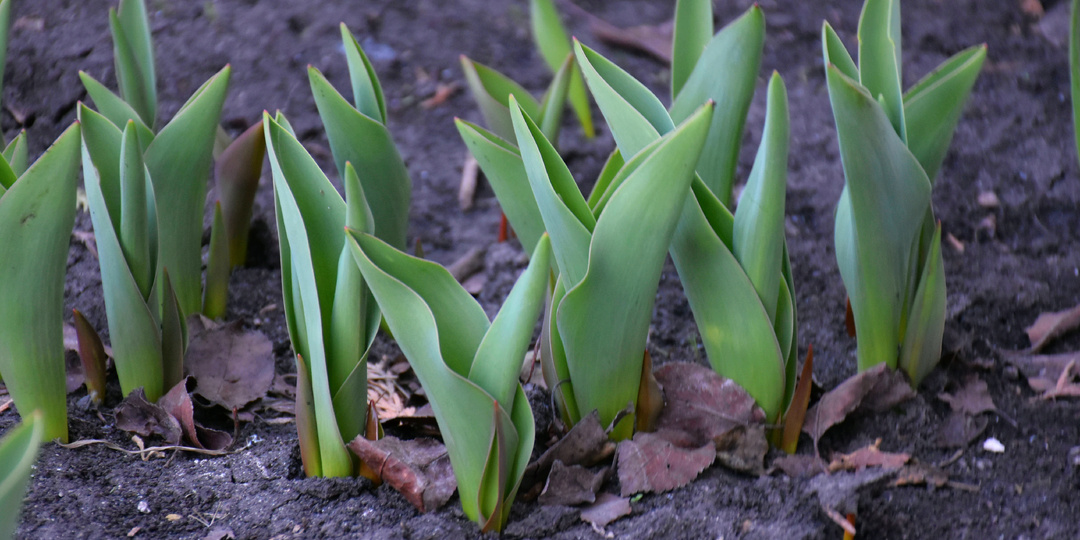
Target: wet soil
<point>1015,139</point>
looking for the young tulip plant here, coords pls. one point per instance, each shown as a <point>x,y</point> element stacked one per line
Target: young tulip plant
<point>331,316</point>
<point>467,365</point>
<point>892,143</point>
<point>734,268</point>
<point>18,452</point>
<point>37,213</point>
<point>146,192</point>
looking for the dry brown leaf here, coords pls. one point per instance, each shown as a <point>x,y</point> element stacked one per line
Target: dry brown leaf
<point>607,508</point>
<point>972,398</point>
<point>570,485</point>
<point>797,466</point>
<point>869,456</point>
<point>1048,326</point>
<point>232,366</point>
<point>1052,376</point>
<point>960,429</point>
<point>918,474</point>
<point>419,468</point>
<point>838,493</point>
<point>137,415</point>
<point>743,449</point>
<point>702,403</point>
<point>876,389</point>
<point>177,402</point>
<point>651,463</point>
<point>585,444</point>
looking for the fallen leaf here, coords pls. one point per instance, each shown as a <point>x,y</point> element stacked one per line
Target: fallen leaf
<point>443,92</point>
<point>838,494</point>
<point>960,429</point>
<point>571,485</point>
<point>972,398</point>
<point>220,533</point>
<point>918,474</point>
<point>743,449</point>
<point>232,366</point>
<point>607,508</point>
<point>869,456</point>
<point>585,444</point>
<point>137,415</point>
<point>177,402</point>
<point>702,403</point>
<point>1048,326</point>
<point>876,389</point>
<point>650,463</point>
<point>418,468</point>
<point>797,466</point>
<point>469,173</point>
<point>1052,376</point>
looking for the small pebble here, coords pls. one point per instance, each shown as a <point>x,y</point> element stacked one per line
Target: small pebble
<point>143,507</point>
<point>984,464</point>
<point>1074,456</point>
<point>994,445</point>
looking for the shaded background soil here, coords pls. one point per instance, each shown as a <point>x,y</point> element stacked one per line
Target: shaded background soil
<point>1015,139</point>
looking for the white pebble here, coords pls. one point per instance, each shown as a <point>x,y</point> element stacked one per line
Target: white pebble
<point>994,445</point>
<point>143,507</point>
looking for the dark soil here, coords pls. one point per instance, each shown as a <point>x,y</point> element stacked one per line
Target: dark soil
<point>1015,139</point>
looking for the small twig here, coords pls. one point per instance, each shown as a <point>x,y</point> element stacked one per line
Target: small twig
<point>469,173</point>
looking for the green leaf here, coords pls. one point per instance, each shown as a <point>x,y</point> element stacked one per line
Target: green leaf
<point>134,58</point>
<point>311,217</point>
<point>492,91</point>
<point>17,155</point>
<point>921,346</point>
<point>693,28</point>
<point>366,143</point>
<point>554,44</point>
<point>505,172</point>
<point>306,427</point>
<point>553,357</point>
<point>173,334</point>
<point>726,73</point>
<point>884,188</point>
<point>879,58</point>
<point>566,215</point>
<point>18,452</point>
<point>37,214</point>
<point>932,107</point>
<point>134,232</point>
<point>611,168</point>
<point>179,164</point>
<point>759,219</point>
<point>216,292</point>
<point>115,109</point>
<point>237,171</point>
<point>614,300</point>
<point>835,53</point>
<point>367,92</point>
<point>554,101</point>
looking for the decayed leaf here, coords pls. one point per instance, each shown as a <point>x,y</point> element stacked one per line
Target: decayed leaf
<point>971,399</point>
<point>232,366</point>
<point>1051,325</point>
<point>137,415</point>
<point>1052,376</point>
<point>876,389</point>
<point>960,429</point>
<point>419,468</point>
<point>177,402</point>
<point>653,39</point>
<point>651,463</point>
<point>869,456</point>
<point>702,403</point>
<point>838,493</point>
<point>585,444</point>
<point>743,449</point>
<point>571,485</point>
<point>800,465</point>
<point>606,509</point>
<point>918,474</point>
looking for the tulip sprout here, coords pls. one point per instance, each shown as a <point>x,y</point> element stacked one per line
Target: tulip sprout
<point>892,144</point>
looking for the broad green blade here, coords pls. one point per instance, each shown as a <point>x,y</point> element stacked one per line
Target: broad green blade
<point>932,107</point>
<point>505,172</point>
<point>498,358</point>
<point>366,143</point>
<point>525,426</point>
<point>367,92</point>
<point>884,188</point>
<point>693,28</point>
<point>614,301</point>
<point>634,114</point>
<point>132,20</point>
<point>738,336</point>
<point>553,357</point>
<point>18,452</point>
<point>306,430</point>
<point>173,335</point>
<point>554,101</point>
<point>835,53</point>
<point>134,223</point>
<point>216,292</point>
<point>554,44</point>
<point>179,164</point>
<point>611,167</point>
<point>347,343</point>
<point>926,324</point>
<point>726,73</point>
<point>312,216</point>
<point>492,91</point>
<point>37,214</point>
<point>879,58</point>
<point>786,336</point>
<point>17,155</point>
<point>462,409</point>
<point>115,109</point>
<point>133,328</point>
<point>1074,69</point>
<point>566,215</point>
<point>759,218</point>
